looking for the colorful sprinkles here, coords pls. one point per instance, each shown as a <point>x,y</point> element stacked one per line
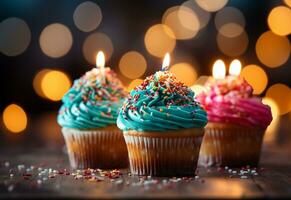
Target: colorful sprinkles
<point>164,85</point>
<point>40,175</point>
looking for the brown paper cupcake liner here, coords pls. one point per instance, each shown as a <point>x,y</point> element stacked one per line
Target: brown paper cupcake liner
<point>230,145</point>
<point>102,148</point>
<point>164,154</point>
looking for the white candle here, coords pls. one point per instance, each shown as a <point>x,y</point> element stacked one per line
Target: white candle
<point>100,63</point>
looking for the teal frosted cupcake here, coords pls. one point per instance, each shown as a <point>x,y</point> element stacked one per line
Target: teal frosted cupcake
<point>88,117</point>
<point>163,127</point>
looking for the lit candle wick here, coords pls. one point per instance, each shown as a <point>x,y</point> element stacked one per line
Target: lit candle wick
<point>166,62</point>
<point>100,63</point>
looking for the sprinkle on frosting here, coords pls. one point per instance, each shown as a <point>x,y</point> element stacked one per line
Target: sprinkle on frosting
<point>231,101</point>
<point>92,103</point>
<point>161,103</point>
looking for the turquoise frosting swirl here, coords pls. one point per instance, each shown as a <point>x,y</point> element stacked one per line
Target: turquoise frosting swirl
<point>161,103</point>
<point>92,102</point>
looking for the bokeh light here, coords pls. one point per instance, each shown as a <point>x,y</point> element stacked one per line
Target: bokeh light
<point>202,15</point>
<point>133,84</point>
<point>272,50</point>
<point>37,82</point>
<point>15,36</point>
<point>287,2</point>
<point>274,107</point>
<point>201,80</point>
<point>233,46</point>
<point>197,89</point>
<point>159,39</point>
<point>281,94</point>
<point>272,128</point>
<point>182,21</point>
<point>56,40</point>
<point>87,16</point>
<point>14,118</point>
<point>279,20</point>
<point>94,43</point>
<point>132,65</point>
<point>185,73</point>
<point>55,84</point>
<point>230,22</point>
<point>256,77</point>
<point>212,5</point>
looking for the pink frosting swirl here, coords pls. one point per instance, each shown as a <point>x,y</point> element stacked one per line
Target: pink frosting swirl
<point>232,101</point>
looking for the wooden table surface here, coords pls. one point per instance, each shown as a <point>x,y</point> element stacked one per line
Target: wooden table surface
<point>19,180</point>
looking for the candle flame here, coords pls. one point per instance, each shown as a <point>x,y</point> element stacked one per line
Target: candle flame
<point>100,63</point>
<point>235,67</point>
<point>100,60</point>
<point>166,62</point>
<point>218,70</point>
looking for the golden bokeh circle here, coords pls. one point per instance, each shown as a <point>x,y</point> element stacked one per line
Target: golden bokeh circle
<point>132,65</point>
<point>211,5</point>
<point>256,77</point>
<point>56,40</point>
<point>182,21</point>
<point>55,84</point>
<point>185,73</point>
<point>159,40</point>
<point>287,2</point>
<point>273,105</point>
<point>198,89</point>
<point>281,94</point>
<point>233,46</point>
<point>14,118</point>
<point>270,133</point>
<point>97,42</point>
<point>201,80</point>
<point>272,50</point>
<point>37,82</point>
<point>133,84</point>
<point>231,30</point>
<point>279,20</point>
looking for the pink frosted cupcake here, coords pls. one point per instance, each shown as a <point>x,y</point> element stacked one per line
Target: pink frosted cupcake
<point>237,122</point>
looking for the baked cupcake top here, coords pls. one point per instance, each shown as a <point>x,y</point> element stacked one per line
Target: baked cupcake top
<point>93,101</point>
<point>161,103</point>
<point>231,101</point>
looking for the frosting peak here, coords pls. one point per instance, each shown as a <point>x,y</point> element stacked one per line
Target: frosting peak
<point>161,103</point>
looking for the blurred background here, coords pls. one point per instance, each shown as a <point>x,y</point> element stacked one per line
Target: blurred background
<point>46,44</point>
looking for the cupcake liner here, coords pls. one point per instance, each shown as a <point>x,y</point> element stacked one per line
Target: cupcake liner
<point>230,145</point>
<point>102,148</point>
<point>164,153</point>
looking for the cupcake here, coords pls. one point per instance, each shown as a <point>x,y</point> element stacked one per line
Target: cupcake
<point>163,127</point>
<point>237,122</point>
<point>88,117</point>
